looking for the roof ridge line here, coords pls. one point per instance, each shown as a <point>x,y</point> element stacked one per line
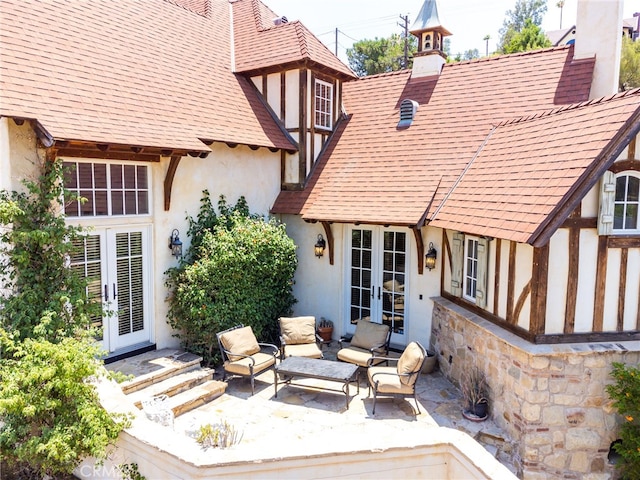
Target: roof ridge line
<point>300,33</point>
<point>571,106</point>
<point>463,173</point>
<point>508,55</point>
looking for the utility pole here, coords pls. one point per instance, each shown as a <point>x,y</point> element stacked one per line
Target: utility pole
<point>337,41</point>
<point>405,19</point>
<point>486,39</point>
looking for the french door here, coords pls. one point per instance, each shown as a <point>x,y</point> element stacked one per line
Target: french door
<point>116,263</point>
<point>377,270</point>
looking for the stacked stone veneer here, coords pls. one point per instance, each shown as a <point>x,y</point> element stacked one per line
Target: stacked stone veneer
<point>550,399</point>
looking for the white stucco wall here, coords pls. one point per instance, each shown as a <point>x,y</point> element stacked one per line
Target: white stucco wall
<point>292,116</point>
<point>231,172</point>
<point>322,289</point>
<point>557,282</point>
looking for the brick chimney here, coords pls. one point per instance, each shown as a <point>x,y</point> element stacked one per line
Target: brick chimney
<point>599,34</point>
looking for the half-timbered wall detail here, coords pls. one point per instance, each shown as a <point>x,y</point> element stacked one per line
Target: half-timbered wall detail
<point>584,285</point>
<point>291,96</point>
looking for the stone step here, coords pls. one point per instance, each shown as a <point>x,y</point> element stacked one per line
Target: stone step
<point>178,383</point>
<point>158,366</point>
<point>196,397</point>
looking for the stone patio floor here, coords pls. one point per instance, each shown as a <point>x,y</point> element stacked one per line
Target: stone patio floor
<point>302,418</point>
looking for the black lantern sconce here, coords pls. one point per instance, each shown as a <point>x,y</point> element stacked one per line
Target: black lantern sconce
<point>175,245</point>
<point>320,246</point>
<point>430,257</point>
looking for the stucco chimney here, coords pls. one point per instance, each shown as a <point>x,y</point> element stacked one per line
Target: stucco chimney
<point>599,34</point>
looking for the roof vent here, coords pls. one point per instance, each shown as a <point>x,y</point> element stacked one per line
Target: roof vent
<point>408,109</point>
<point>280,20</point>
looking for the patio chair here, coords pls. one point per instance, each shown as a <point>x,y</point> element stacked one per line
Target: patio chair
<point>243,355</point>
<point>398,380</point>
<point>298,337</point>
<point>370,339</point>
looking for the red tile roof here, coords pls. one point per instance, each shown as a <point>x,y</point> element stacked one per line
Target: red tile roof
<point>374,172</point>
<point>529,167</point>
<point>134,72</point>
<point>261,45</point>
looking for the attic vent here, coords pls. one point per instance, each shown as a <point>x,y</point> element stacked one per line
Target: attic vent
<point>280,20</point>
<point>408,109</point>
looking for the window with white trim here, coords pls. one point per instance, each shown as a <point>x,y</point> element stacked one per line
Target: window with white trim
<point>627,203</point>
<point>469,266</point>
<point>109,189</point>
<point>323,104</point>
<point>470,275</point>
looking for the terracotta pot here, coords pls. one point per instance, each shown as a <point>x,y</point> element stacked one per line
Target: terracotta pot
<point>325,333</point>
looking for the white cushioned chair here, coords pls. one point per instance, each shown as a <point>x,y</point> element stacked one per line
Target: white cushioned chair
<point>400,379</point>
<point>298,337</point>
<point>370,339</point>
<point>243,355</point>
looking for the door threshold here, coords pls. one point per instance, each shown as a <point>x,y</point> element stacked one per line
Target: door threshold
<point>130,351</point>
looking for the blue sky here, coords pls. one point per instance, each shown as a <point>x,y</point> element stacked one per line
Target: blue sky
<point>468,20</point>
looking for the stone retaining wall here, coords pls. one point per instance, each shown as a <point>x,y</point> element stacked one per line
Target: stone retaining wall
<point>550,399</point>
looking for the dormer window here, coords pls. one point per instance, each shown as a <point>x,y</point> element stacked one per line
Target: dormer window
<point>408,109</point>
<point>324,105</point>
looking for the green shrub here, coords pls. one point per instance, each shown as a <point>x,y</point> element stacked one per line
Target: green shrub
<point>242,273</point>
<point>51,413</point>
<point>41,291</point>
<point>625,393</point>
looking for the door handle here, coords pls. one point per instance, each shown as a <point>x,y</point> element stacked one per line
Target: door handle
<point>378,293</point>
<point>106,293</point>
<point>114,291</point>
<point>372,291</point>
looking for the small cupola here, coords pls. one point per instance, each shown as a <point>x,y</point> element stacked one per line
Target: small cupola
<point>427,27</point>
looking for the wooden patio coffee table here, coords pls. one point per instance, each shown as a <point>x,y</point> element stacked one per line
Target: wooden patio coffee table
<point>304,367</point>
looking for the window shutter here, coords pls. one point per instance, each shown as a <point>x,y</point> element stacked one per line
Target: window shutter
<point>483,263</point>
<point>607,198</point>
<point>457,259</point>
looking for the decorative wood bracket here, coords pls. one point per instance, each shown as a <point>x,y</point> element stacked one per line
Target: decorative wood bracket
<point>329,234</point>
<point>420,249</point>
<point>168,180</point>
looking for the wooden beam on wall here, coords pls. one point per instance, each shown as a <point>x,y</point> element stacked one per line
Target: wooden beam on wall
<point>417,233</point>
<point>496,277</point>
<point>539,290</point>
<point>572,280</point>
<point>600,286</point>
<point>622,290</point>
<point>168,180</point>
<point>511,281</point>
<point>330,241</point>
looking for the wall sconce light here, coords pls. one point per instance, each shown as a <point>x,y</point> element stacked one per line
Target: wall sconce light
<point>175,245</point>
<point>430,257</point>
<point>320,245</point>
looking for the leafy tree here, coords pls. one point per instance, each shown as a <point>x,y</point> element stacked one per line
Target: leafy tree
<point>531,37</point>
<point>471,54</point>
<point>629,64</point>
<point>242,272</point>
<point>39,288</point>
<point>516,19</point>
<point>625,393</point>
<point>50,413</point>
<point>380,55</point>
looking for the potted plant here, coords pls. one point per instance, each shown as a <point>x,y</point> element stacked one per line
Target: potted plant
<point>325,329</point>
<point>475,391</point>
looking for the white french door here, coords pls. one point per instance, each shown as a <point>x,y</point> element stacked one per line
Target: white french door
<point>378,281</point>
<point>116,263</point>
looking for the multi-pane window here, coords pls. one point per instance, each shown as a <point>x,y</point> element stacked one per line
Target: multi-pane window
<point>626,203</point>
<point>324,105</point>
<point>470,276</point>
<point>106,189</point>
<point>86,262</point>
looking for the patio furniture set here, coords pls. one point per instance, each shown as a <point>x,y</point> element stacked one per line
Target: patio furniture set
<point>299,356</point>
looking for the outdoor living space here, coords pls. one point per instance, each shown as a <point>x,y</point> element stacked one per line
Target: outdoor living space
<point>308,432</point>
